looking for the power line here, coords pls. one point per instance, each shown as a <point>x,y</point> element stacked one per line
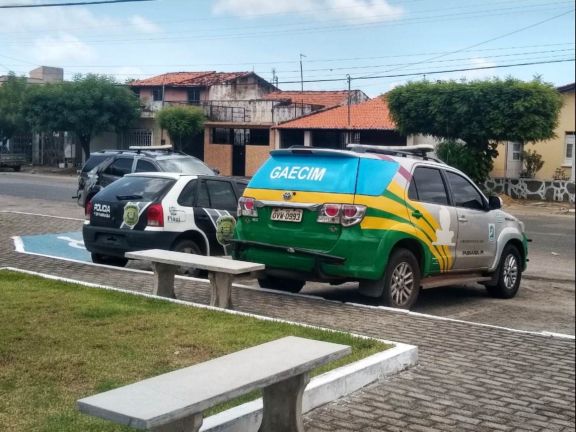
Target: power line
<point>428,72</point>
<point>218,35</point>
<point>93,2</point>
<point>491,39</point>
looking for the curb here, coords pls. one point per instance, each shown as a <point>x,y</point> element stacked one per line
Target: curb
<point>322,389</point>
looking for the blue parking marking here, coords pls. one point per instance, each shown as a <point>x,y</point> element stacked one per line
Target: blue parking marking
<point>67,245</point>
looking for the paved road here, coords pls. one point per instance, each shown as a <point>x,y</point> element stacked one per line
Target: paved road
<point>50,187</point>
<point>469,377</point>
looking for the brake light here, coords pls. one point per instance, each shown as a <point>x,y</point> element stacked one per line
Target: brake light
<point>352,214</point>
<point>344,214</point>
<point>247,207</point>
<point>88,209</point>
<point>155,215</point>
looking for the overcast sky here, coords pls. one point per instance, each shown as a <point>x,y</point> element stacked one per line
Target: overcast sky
<point>385,43</point>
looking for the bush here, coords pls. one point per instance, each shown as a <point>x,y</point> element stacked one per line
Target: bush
<point>533,163</point>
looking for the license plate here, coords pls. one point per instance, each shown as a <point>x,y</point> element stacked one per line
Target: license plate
<point>286,215</point>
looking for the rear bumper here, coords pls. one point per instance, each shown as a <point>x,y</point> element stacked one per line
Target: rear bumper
<point>116,242</point>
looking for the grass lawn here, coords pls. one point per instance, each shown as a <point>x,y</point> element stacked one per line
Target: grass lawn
<point>60,342</point>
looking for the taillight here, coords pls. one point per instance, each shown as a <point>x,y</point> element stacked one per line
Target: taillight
<point>329,213</point>
<point>352,214</point>
<point>247,207</point>
<point>344,214</point>
<point>155,215</point>
<point>88,209</point>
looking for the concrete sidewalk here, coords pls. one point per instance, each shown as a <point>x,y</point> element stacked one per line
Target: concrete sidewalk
<point>470,377</point>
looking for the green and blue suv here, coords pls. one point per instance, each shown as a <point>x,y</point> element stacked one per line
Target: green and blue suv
<point>392,219</point>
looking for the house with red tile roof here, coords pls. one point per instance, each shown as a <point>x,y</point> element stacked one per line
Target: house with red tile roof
<point>240,108</point>
<point>368,122</point>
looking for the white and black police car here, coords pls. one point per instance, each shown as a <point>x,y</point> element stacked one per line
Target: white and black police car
<point>171,211</point>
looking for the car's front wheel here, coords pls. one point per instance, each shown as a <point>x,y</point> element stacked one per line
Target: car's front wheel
<point>508,275</point>
<point>191,247</point>
<point>401,280</point>
<point>109,260</point>
<point>276,283</point>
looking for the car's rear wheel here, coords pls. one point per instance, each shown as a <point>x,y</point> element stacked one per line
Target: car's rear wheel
<point>401,280</point>
<point>191,247</point>
<point>508,275</point>
<point>109,260</point>
<point>281,284</point>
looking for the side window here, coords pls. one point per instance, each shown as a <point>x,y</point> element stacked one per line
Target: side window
<point>221,195</point>
<point>428,186</point>
<point>203,197</point>
<point>120,167</point>
<point>145,166</point>
<point>241,187</point>
<point>464,192</point>
<point>187,197</point>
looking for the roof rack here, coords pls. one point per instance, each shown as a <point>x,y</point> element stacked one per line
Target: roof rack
<point>419,150</point>
<point>147,148</point>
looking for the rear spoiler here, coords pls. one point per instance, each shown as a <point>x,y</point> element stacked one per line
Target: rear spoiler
<point>303,150</point>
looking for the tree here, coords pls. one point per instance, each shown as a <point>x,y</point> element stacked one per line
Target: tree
<point>12,95</point>
<point>86,106</point>
<point>181,122</point>
<point>479,113</point>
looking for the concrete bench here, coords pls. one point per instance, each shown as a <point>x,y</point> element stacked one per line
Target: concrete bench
<point>175,401</point>
<point>221,272</point>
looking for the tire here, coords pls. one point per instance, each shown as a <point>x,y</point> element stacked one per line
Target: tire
<point>401,280</point>
<point>508,275</point>
<point>191,247</point>
<point>281,284</point>
<point>109,260</point>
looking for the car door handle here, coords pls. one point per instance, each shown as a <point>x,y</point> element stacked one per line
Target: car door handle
<point>417,214</point>
<point>462,219</point>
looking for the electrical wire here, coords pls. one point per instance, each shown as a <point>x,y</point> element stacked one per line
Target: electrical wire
<point>92,2</point>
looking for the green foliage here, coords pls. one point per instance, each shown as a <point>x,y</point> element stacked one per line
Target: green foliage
<point>475,163</point>
<point>181,122</point>
<point>12,95</point>
<point>87,106</point>
<point>533,163</point>
<point>477,112</point>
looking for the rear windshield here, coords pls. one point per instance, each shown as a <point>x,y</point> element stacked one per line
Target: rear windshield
<point>138,188</point>
<point>93,161</point>
<point>332,174</point>
<point>313,173</point>
<point>184,165</point>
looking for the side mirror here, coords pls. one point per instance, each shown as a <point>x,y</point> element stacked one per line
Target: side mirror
<point>494,202</point>
<point>216,171</point>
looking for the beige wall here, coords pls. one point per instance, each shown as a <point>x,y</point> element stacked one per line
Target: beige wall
<point>255,157</point>
<point>552,150</point>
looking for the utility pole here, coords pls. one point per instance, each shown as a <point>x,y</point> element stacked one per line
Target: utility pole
<point>301,74</point>
<point>349,97</point>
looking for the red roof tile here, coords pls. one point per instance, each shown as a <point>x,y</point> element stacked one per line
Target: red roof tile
<point>190,79</point>
<point>323,98</point>
<point>371,114</point>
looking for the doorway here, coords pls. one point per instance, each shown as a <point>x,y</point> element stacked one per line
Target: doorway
<point>514,159</point>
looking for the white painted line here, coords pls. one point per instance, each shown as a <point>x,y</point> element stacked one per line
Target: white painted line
<point>38,214</point>
<point>438,318</point>
<point>543,333</point>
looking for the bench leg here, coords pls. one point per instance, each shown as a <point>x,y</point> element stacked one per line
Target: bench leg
<point>189,424</point>
<point>221,284</point>
<point>283,405</point>
<point>164,280</point>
